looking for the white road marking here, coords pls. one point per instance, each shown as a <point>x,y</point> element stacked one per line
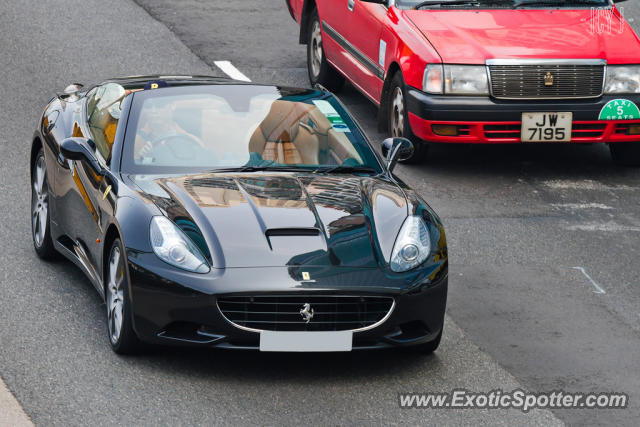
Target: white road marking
<point>599,289</point>
<point>585,184</point>
<point>576,206</point>
<point>231,71</point>
<point>610,226</point>
<point>11,413</point>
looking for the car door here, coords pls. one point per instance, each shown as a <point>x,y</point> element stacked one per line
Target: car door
<point>334,17</point>
<point>84,204</point>
<point>74,210</point>
<point>366,22</point>
<point>351,40</point>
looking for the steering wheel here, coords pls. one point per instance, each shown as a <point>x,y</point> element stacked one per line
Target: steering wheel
<point>181,147</point>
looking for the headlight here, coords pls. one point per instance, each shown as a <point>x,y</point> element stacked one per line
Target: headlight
<point>412,246</point>
<point>455,79</point>
<point>171,245</point>
<point>466,80</point>
<point>622,79</point>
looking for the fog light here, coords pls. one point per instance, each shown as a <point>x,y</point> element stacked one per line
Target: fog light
<point>634,130</point>
<point>445,130</point>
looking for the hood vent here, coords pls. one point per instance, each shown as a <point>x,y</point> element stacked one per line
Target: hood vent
<point>272,232</point>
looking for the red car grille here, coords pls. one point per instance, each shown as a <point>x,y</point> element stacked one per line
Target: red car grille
<point>502,131</point>
<point>528,81</point>
<point>623,128</point>
<point>463,130</point>
<point>588,130</point>
<point>579,130</point>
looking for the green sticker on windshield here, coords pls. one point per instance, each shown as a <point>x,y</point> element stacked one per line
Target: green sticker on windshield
<point>334,118</point>
<point>620,109</point>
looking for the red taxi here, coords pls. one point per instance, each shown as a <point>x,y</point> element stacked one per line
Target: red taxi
<point>483,71</point>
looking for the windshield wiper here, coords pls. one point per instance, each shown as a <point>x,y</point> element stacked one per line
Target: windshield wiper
<point>347,169</point>
<point>260,169</point>
<point>446,3</point>
<point>520,3</point>
<point>293,168</point>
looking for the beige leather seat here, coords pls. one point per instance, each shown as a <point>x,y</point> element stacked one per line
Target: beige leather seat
<point>298,133</point>
<point>281,138</point>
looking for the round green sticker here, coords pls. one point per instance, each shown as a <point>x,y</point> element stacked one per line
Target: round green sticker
<point>620,109</point>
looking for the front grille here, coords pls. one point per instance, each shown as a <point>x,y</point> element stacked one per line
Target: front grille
<point>502,131</point>
<point>528,81</point>
<point>588,130</point>
<point>463,130</point>
<point>282,312</point>
<point>622,128</point>
<point>512,130</point>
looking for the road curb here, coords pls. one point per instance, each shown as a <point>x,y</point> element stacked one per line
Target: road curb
<point>11,412</point>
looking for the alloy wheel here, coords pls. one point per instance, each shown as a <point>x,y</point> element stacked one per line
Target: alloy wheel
<point>40,202</point>
<point>397,113</point>
<point>115,295</point>
<point>316,49</point>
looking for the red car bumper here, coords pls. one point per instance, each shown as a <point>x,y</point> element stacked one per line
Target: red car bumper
<point>496,132</point>
<point>484,120</point>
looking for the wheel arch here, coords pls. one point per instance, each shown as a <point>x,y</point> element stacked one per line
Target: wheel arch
<point>307,8</point>
<point>36,145</point>
<point>394,68</point>
<point>110,236</point>
<point>114,233</point>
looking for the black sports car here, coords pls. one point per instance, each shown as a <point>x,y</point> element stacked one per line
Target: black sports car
<point>216,213</point>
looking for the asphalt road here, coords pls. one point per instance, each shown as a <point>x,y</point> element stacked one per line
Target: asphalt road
<point>519,219</point>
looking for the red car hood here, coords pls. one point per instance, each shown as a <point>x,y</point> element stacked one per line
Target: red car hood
<point>471,37</point>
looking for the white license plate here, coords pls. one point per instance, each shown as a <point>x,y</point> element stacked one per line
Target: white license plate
<point>546,127</point>
<point>306,341</point>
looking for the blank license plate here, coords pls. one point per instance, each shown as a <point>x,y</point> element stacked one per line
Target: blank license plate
<point>306,341</point>
<point>546,127</point>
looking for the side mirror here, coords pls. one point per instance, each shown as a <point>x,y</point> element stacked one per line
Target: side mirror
<point>73,88</point>
<point>80,149</point>
<point>396,149</point>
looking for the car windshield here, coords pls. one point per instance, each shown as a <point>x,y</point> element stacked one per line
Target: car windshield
<point>227,127</point>
<point>492,4</point>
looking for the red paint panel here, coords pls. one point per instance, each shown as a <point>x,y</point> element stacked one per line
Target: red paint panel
<point>472,37</point>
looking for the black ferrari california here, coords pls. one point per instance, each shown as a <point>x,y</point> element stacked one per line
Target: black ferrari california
<point>210,212</point>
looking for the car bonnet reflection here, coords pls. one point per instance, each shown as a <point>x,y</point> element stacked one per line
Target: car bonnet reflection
<point>286,219</point>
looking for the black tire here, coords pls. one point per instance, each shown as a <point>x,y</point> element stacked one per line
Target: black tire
<point>41,209</point>
<point>429,347</point>
<point>398,119</point>
<point>625,153</point>
<point>319,69</point>
<point>125,340</point>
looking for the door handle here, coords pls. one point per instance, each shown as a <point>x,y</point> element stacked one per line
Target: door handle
<point>351,4</point>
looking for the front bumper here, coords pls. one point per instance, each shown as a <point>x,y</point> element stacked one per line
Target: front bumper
<point>179,308</point>
<point>485,120</point>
